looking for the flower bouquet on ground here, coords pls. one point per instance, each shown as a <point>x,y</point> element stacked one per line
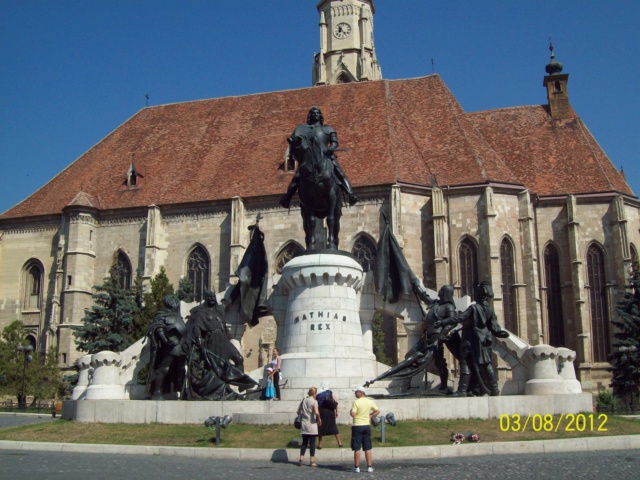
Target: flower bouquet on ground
<point>458,438</point>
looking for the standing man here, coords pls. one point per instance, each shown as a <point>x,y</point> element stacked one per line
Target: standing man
<point>362,411</point>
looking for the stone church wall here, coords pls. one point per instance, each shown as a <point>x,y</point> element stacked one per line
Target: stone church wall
<point>183,232</point>
<point>125,234</point>
<point>19,245</point>
<point>415,213</point>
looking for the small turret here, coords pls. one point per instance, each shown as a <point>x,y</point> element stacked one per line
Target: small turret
<point>556,84</point>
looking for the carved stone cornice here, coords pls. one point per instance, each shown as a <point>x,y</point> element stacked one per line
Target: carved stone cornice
<point>18,230</point>
<point>116,221</point>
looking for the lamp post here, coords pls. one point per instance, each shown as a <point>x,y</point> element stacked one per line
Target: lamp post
<point>26,351</point>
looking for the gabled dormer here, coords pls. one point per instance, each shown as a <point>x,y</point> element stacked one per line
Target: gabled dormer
<point>133,177</point>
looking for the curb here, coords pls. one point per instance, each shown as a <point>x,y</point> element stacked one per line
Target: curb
<point>625,442</point>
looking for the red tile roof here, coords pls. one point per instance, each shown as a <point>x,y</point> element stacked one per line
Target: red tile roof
<point>409,131</point>
<point>550,157</point>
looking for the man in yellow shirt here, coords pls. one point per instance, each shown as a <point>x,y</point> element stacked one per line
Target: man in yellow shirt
<point>362,411</point>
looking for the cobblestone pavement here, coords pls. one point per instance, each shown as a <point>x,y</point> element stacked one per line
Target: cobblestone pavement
<point>16,464</point>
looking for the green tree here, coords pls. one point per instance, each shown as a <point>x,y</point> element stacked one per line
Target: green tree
<point>185,290</point>
<point>42,377</point>
<point>160,287</point>
<point>109,323</point>
<point>626,356</point>
<point>138,290</point>
<point>378,340</point>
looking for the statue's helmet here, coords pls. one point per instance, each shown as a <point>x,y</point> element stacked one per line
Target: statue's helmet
<point>483,291</point>
<point>446,294</point>
<point>171,301</point>
<point>210,295</point>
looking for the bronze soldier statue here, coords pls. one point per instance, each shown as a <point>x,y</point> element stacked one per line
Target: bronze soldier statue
<point>479,322</point>
<point>441,309</point>
<point>207,328</point>
<point>214,362</point>
<point>168,351</point>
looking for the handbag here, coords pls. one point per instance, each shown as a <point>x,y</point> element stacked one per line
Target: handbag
<point>297,423</point>
<point>330,404</point>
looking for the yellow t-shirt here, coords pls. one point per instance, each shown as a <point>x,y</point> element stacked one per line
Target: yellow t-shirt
<point>363,407</point>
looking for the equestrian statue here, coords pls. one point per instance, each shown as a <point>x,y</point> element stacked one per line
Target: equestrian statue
<point>319,178</point>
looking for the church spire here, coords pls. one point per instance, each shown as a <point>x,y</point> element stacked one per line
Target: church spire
<point>347,53</point>
<point>556,84</point>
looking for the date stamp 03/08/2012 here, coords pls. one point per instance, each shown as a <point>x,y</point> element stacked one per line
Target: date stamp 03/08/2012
<point>569,422</point>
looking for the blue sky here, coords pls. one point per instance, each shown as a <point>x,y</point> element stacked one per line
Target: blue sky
<point>73,71</point>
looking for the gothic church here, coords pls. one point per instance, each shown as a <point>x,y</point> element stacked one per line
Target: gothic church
<point>523,197</point>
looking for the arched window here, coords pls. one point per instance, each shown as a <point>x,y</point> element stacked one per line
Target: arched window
<point>508,281</point>
<point>198,270</point>
<point>291,250</point>
<point>31,338</point>
<point>468,257</point>
<point>32,293</point>
<point>554,296</point>
<point>364,251</point>
<point>599,306</point>
<point>123,270</point>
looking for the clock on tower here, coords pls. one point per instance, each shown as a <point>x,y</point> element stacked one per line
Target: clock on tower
<point>347,53</point>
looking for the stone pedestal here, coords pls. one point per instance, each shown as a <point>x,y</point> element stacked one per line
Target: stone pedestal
<point>321,336</point>
<point>543,372</point>
<point>84,368</point>
<point>567,371</point>
<point>106,377</point>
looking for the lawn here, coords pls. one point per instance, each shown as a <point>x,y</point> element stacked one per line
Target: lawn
<point>409,433</point>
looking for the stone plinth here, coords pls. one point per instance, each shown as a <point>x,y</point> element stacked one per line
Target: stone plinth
<point>321,335</point>
<point>106,377</point>
<point>283,412</point>
<point>567,371</point>
<point>84,368</point>
<point>543,372</point>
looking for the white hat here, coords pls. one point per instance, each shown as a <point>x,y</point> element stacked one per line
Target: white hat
<point>360,389</point>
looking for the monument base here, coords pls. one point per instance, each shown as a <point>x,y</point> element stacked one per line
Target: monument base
<point>284,411</point>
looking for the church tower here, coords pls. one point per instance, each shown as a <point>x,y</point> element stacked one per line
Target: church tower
<point>347,53</point>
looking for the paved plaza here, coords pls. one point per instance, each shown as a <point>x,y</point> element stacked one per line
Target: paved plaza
<point>17,465</point>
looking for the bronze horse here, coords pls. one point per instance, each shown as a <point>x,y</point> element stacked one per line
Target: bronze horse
<point>319,194</point>
<point>319,178</point>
